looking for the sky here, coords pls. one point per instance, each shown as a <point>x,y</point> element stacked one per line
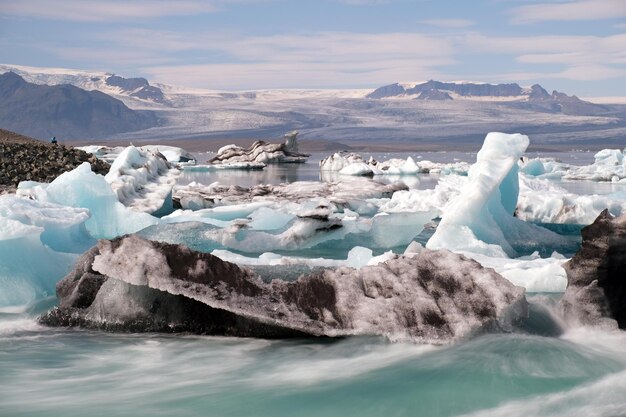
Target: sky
<point>578,47</point>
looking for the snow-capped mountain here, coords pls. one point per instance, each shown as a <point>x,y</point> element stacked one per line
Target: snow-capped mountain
<point>534,97</point>
<point>106,82</point>
<point>428,112</point>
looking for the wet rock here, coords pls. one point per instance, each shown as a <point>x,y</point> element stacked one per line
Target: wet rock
<point>142,285</point>
<point>596,275</point>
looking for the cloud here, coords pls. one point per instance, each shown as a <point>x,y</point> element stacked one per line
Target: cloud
<point>104,10</point>
<point>572,10</point>
<point>324,59</point>
<point>448,23</point>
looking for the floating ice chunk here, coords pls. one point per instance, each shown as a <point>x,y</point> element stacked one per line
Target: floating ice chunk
<point>61,228</point>
<point>532,272</point>
<point>533,167</point>
<point>246,166</point>
<point>262,152</point>
<point>357,257</point>
<point>435,199</point>
<point>351,194</point>
<point>544,202</point>
<point>480,219</point>
<point>609,165</point>
<point>358,169</point>
<point>354,164</point>
<point>173,154</point>
<point>317,226</point>
<point>31,234</point>
<point>85,189</point>
<point>143,180</point>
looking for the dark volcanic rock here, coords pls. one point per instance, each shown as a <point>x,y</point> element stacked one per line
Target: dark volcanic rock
<point>596,275</point>
<point>133,284</point>
<point>27,159</point>
<point>65,111</point>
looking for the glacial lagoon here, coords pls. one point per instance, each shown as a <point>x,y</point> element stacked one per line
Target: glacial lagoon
<point>545,366</point>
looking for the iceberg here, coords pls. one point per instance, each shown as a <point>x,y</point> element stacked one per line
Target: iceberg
<point>352,163</point>
<point>480,219</point>
<point>143,180</point>
<point>173,154</point>
<point>82,188</point>
<point>140,285</point>
<point>38,244</point>
<point>260,152</point>
<point>541,201</point>
<point>609,165</point>
<point>351,194</point>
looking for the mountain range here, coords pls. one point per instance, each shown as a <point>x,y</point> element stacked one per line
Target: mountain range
<point>66,111</point>
<point>534,97</point>
<point>433,112</point>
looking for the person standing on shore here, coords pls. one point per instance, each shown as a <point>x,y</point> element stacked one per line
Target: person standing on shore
<point>53,140</point>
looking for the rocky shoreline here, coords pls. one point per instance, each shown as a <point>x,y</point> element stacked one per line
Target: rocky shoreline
<point>26,159</point>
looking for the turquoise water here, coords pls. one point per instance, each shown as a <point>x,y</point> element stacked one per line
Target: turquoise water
<point>48,372</point>
<point>542,369</point>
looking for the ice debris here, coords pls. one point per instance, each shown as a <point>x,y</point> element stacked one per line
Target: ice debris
<point>353,164</point>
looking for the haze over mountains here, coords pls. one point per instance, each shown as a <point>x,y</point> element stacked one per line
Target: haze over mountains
<point>431,112</point>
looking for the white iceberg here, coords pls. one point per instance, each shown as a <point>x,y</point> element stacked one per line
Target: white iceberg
<point>38,245</point>
<point>541,201</point>
<point>173,154</point>
<point>480,219</point>
<point>83,188</point>
<point>143,180</point>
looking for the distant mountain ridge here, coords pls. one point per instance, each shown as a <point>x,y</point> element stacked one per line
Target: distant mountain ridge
<point>65,111</point>
<point>106,82</point>
<point>534,98</point>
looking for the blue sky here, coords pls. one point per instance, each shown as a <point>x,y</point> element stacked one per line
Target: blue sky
<point>574,46</point>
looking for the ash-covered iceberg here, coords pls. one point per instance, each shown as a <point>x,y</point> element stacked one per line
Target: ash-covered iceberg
<point>480,219</point>
<point>132,284</point>
<point>260,153</point>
